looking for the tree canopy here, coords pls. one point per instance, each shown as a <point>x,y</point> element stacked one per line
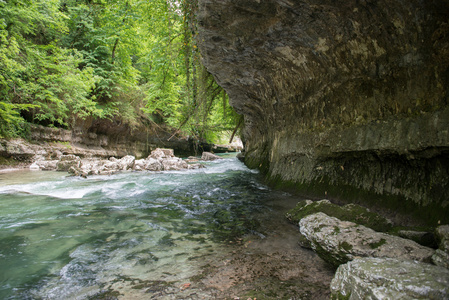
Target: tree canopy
<point>63,60</point>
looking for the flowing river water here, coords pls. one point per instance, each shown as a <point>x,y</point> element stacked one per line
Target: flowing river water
<point>211,233</point>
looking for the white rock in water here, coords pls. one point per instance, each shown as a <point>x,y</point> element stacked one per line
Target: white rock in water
<point>34,167</point>
<point>387,278</point>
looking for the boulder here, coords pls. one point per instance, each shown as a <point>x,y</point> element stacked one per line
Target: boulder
<point>387,278</point>
<point>47,165</point>
<point>339,241</point>
<point>67,161</point>
<point>209,156</point>
<point>350,212</point>
<point>441,256</point>
<point>139,165</point>
<point>153,165</point>
<point>174,163</point>
<point>126,162</point>
<point>159,153</point>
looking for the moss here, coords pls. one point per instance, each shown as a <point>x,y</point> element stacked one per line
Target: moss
<point>377,244</point>
<point>352,213</point>
<point>346,246</point>
<point>431,214</point>
<point>333,260</point>
<point>336,230</point>
<point>318,229</point>
<point>8,161</point>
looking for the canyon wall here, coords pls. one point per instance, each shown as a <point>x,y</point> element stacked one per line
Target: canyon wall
<point>95,138</point>
<point>346,99</point>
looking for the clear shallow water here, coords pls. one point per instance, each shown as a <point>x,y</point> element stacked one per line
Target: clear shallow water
<point>66,237</point>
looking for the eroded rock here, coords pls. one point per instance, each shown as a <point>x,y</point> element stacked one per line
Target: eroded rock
<point>339,241</point>
<point>386,278</point>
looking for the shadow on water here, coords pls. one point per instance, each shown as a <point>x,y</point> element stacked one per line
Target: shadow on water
<point>198,234</point>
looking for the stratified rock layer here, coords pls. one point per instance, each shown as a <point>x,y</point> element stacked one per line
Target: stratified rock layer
<point>341,98</point>
<point>386,278</point>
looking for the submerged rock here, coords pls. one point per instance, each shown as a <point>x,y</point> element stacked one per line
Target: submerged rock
<point>441,256</point>
<point>386,278</point>
<point>339,241</point>
<point>350,212</point>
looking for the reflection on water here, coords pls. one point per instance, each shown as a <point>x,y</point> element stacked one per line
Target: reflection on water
<point>65,237</point>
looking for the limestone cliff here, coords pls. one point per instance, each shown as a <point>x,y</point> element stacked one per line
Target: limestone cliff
<point>344,98</point>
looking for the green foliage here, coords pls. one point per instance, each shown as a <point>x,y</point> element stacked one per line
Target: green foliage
<point>62,60</point>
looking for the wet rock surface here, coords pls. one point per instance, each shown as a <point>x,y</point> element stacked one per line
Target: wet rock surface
<point>386,278</point>
<point>339,241</point>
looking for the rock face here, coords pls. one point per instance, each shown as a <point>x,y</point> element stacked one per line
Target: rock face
<point>386,278</point>
<point>341,241</point>
<point>344,98</point>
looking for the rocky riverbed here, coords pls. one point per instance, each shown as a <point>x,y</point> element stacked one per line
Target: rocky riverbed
<point>394,262</point>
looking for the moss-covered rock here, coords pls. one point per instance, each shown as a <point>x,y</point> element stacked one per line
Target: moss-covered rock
<point>355,240</point>
<point>386,278</point>
<point>350,212</point>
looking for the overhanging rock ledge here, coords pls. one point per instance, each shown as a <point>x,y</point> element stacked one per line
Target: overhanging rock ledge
<point>345,99</point>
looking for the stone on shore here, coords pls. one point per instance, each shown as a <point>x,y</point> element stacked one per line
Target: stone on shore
<point>387,278</point>
<point>338,241</point>
<point>67,161</point>
<point>441,256</point>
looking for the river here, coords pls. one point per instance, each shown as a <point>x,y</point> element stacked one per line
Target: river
<point>215,232</point>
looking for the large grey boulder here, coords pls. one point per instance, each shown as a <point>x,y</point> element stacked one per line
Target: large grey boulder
<point>339,241</point>
<point>387,278</point>
<point>441,256</point>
